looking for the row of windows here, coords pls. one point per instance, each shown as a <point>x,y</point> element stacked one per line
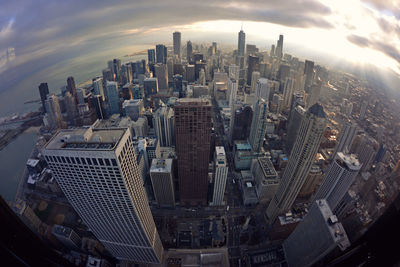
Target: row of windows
<point>76,160</point>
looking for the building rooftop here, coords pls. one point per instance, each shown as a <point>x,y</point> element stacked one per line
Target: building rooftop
<point>348,161</point>
<point>192,101</point>
<point>32,163</point>
<point>86,139</point>
<point>267,167</point>
<point>242,146</point>
<point>161,165</point>
<point>61,230</point>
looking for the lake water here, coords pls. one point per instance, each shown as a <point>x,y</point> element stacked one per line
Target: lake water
<point>13,158</point>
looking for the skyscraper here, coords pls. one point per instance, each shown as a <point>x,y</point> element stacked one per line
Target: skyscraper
<point>346,137</point>
<point>150,86</point>
<point>163,123</point>
<point>43,91</point>
<point>241,43</point>
<point>116,67</point>
<point>98,87</point>
<point>161,71</point>
<point>53,111</point>
<point>232,91</point>
<point>161,174</point>
<point>262,90</point>
<point>97,171</point>
<point>177,43</point>
<point>308,75</point>
<point>161,53</point>
<point>279,47</point>
<point>313,95</point>
<point>221,173</point>
<point>112,97</point>
<point>288,90</point>
<point>254,78</point>
<point>258,125</point>
<point>241,124</point>
<point>252,65</point>
<point>71,88</point>
<point>193,135</point>
<point>151,56</point>
<point>317,235</point>
<point>338,179</point>
<point>189,52</point>
<point>302,157</point>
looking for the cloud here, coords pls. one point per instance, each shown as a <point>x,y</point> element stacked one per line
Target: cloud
<point>391,6</point>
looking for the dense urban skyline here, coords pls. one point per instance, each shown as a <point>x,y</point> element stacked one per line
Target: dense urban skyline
<point>201,140</point>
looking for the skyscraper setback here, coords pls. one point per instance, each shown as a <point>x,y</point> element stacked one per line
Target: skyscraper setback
<point>193,136</point>
<point>97,171</point>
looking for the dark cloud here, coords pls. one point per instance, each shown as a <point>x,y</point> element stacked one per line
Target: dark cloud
<point>358,40</point>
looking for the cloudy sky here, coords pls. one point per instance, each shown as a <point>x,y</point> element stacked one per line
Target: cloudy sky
<point>43,37</point>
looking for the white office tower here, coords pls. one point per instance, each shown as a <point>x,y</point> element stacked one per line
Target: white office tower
<point>262,90</point>
<point>301,158</point>
<point>288,91</point>
<point>346,137</point>
<point>315,237</point>
<point>234,72</point>
<point>97,171</point>
<point>258,125</point>
<point>254,78</point>
<point>232,91</point>
<point>162,181</point>
<point>163,122</point>
<point>221,173</point>
<point>338,179</point>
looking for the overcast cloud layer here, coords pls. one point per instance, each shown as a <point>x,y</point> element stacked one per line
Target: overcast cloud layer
<point>35,35</point>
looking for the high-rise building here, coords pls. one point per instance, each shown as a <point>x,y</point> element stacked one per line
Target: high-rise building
<point>313,95</point>
<point>150,86</point>
<point>262,90</point>
<point>98,87</point>
<point>220,176</point>
<point>296,117</point>
<point>72,109</point>
<point>279,47</point>
<point>313,180</point>
<point>161,174</point>
<point>67,236</point>
<point>288,89</point>
<point>266,178</point>
<point>96,103</point>
<point>178,84</point>
<point>53,111</point>
<point>241,124</point>
<point>151,56</point>
<point>308,75</point>
<point>161,54</point>
<point>234,72</point>
<point>193,135</point>
<point>177,43</point>
<point>232,91</point>
<point>190,73</point>
<point>161,71</point>
<point>365,147</point>
<point>133,108</point>
<point>72,88</point>
<point>241,43</point>
<point>272,52</point>
<point>98,173</point>
<point>283,74</point>
<point>252,65</point>
<point>112,96</point>
<point>189,52</point>
<point>338,179</point>
<point>108,75</point>
<point>254,78</point>
<point>116,67</point>
<point>163,123</point>
<point>258,125</point>
<point>317,235</point>
<point>302,157</point>
<point>346,137</point>
<point>44,92</point>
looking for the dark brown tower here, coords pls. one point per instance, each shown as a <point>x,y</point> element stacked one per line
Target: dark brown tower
<point>192,132</point>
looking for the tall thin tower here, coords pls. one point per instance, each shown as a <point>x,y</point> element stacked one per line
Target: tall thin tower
<point>300,161</point>
<point>346,137</point>
<point>97,171</point>
<point>258,125</point>
<point>241,42</point>
<point>177,43</point>
<point>193,137</point>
